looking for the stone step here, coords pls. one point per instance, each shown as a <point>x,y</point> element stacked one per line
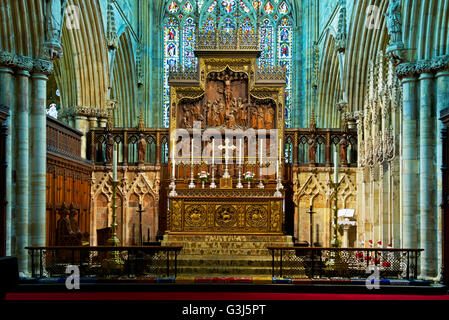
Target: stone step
<point>238,261</point>
<point>227,238</point>
<point>223,245</point>
<point>224,271</point>
<point>225,252</point>
<point>225,255</point>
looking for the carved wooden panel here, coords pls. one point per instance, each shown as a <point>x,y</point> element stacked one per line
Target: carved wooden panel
<point>221,211</point>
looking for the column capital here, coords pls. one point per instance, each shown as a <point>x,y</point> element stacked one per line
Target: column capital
<point>416,68</point>
<point>30,64</point>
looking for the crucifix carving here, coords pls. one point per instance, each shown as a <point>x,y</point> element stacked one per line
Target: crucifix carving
<point>227,147</point>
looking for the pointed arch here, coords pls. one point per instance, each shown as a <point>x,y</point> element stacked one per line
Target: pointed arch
<point>124,86</point>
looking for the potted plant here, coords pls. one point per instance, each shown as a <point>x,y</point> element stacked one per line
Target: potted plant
<point>203,176</point>
<point>248,176</point>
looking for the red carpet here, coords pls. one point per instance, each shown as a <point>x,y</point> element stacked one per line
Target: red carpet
<point>208,296</point>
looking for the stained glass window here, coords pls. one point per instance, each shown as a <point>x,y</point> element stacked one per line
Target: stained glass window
<point>266,43</point>
<point>171,54</point>
<point>189,40</point>
<point>228,5</point>
<point>274,18</point>
<point>285,35</point>
<point>269,8</point>
<point>187,7</point>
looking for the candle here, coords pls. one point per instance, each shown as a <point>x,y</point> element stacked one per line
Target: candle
<point>261,147</point>
<point>277,169</point>
<point>213,151</point>
<point>114,163</point>
<point>335,167</point>
<point>280,150</point>
<point>173,159</point>
<point>192,151</point>
<point>241,151</point>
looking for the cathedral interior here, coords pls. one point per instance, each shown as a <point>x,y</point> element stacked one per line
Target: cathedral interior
<point>270,138</point>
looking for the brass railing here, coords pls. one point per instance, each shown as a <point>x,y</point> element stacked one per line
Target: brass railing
<point>146,261</point>
<point>312,263</point>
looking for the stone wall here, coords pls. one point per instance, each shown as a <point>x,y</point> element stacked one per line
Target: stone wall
<point>137,185</point>
<point>311,187</point>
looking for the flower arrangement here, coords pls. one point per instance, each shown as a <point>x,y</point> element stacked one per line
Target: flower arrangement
<point>359,255</point>
<point>379,244</point>
<point>203,175</point>
<point>249,176</point>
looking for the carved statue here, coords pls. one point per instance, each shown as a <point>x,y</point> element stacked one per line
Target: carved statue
<point>141,148</point>
<point>269,119</point>
<point>260,117</point>
<point>187,117</point>
<point>82,236</point>
<point>344,143</point>
<point>394,23</point>
<point>196,112</point>
<point>54,15</point>
<point>243,115</point>
<point>221,112</point>
<point>63,227</point>
<point>215,116</point>
<point>230,120</point>
<point>312,149</point>
<point>253,118</point>
<point>209,114</point>
<point>227,90</point>
<point>109,148</point>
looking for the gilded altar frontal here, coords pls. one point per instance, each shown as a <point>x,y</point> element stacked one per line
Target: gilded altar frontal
<point>274,141</point>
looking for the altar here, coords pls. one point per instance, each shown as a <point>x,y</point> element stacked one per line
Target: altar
<point>235,211</point>
<point>226,133</point>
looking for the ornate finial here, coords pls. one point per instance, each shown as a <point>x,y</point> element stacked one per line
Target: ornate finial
<point>344,122</point>
<point>141,125</point>
<point>340,39</point>
<point>312,121</point>
<point>110,123</point>
<point>316,64</point>
<point>139,70</point>
<point>111,30</point>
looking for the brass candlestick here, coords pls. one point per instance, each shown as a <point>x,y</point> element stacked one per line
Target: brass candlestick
<point>114,263</point>
<point>335,262</point>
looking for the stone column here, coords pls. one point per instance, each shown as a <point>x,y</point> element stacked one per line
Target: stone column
<point>93,122</point>
<point>21,170</point>
<point>102,122</point>
<point>82,125</point>
<point>38,160</point>
<point>427,183</point>
<point>442,102</point>
<point>6,99</point>
<point>409,163</point>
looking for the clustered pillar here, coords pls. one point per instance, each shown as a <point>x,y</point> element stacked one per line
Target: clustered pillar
<point>409,162</point>
<point>23,88</point>
<point>425,94</point>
